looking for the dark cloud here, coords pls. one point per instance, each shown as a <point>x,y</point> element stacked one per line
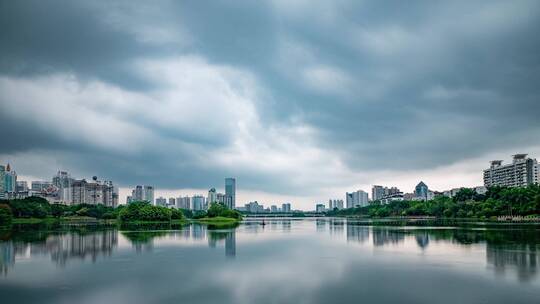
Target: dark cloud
<point>382,86</point>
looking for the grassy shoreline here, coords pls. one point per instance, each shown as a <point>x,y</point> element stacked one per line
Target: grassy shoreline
<point>217,219</point>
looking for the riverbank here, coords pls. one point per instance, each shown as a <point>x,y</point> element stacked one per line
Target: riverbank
<point>217,220</point>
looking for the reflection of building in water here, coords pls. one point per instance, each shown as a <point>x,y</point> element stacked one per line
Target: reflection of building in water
<point>61,247</point>
<point>422,239</point>
<point>198,232</point>
<point>523,258</point>
<point>230,241</point>
<point>68,246</point>
<point>321,225</point>
<point>356,233</point>
<point>286,225</point>
<point>230,244</point>
<point>7,256</point>
<point>337,226</point>
<point>385,236</point>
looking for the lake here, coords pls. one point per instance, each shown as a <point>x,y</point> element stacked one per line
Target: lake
<point>326,260</point>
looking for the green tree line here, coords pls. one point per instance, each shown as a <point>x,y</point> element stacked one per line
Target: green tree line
<point>497,201</point>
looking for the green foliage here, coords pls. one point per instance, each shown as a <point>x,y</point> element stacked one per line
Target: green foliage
<point>498,201</point>
<point>219,209</point>
<point>143,211</point>
<point>6,216</point>
<point>187,213</point>
<point>177,214</point>
<point>30,207</point>
<point>37,207</point>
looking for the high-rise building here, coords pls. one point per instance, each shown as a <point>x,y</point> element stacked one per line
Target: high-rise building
<point>286,207</point>
<point>358,198</point>
<point>2,181</point>
<point>421,191</point>
<point>183,202</point>
<point>212,196</point>
<point>62,179</point>
<point>10,180</point>
<point>273,209</point>
<point>40,186</point>
<point>522,172</point>
<point>198,202</point>
<point>377,192</point>
<point>336,203</point>
<point>172,201</point>
<point>254,207</point>
<point>230,191</point>
<point>22,186</point>
<point>95,192</point>
<point>63,182</point>
<point>142,193</point>
<point>380,192</point>
<point>161,201</point>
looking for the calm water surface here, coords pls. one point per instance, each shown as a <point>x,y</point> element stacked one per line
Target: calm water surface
<point>285,261</point>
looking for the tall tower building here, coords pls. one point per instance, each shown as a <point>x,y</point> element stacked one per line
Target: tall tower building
<point>212,197</point>
<point>230,192</point>
<point>10,180</point>
<point>421,191</point>
<point>2,181</point>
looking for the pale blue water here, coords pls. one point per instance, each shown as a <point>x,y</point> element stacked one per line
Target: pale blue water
<point>285,261</point>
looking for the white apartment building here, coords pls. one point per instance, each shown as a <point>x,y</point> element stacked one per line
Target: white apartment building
<point>521,172</point>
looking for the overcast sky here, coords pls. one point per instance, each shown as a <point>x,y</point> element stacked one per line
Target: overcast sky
<point>299,100</point>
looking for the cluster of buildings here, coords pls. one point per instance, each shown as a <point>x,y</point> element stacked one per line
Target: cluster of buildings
<point>196,202</point>
<point>62,188</point>
<point>255,207</point>
<point>523,171</point>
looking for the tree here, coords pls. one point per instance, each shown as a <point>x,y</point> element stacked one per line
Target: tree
<point>6,216</point>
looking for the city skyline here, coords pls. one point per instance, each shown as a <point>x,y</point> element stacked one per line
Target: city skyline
<point>294,109</point>
<point>523,170</point>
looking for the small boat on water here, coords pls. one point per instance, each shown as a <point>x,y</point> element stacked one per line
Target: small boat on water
<point>263,223</point>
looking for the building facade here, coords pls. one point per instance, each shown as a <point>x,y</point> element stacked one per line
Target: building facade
<point>161,201</point>
<point>93,193</point>
<point>379,192</point>
<point>142,193</point>
<point>10,180</point>
<point>358,198</point>
<point>336,203</point>
<point>286,207</point>
<point>198,202</point>
<point>212,196</point>
<point>523,171</point>
<point>421,191</point>
<point>183,202</point>
<point>230,191</point>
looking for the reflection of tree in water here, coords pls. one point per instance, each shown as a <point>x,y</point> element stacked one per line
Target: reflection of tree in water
<point>517,249</point>
<point>142,239</point>
<point>386,236</point>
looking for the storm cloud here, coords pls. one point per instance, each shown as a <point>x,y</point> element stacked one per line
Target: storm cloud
<point>291,97</point>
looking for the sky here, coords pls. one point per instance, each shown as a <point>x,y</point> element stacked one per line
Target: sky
<point>301,101</point>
